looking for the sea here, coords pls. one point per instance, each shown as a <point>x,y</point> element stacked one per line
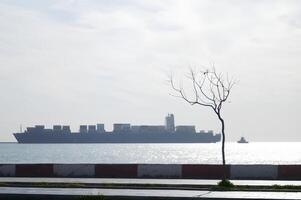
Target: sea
<point>251,153</point>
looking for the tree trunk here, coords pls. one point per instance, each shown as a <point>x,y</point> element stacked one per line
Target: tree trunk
<point>223,146</point>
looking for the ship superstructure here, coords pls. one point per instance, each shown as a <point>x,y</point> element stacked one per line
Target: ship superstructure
<point>122,133</point>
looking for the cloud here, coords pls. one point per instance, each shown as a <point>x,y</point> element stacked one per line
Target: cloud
<point>86,60</point>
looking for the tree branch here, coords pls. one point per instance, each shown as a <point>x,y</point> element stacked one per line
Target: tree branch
<point>209,89</point>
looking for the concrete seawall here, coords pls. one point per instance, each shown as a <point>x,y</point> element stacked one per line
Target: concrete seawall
<point>185,171</point>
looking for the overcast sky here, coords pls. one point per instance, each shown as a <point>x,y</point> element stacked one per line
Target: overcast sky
<point>86,62</point>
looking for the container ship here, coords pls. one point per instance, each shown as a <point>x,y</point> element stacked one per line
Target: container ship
<point>122,133</point>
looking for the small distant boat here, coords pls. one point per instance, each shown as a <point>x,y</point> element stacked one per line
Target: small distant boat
<point>242,140</point>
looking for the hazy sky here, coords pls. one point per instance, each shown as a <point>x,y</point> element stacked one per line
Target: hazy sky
<point>84,62</point>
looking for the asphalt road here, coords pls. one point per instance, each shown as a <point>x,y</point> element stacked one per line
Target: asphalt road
<point>146,194</point>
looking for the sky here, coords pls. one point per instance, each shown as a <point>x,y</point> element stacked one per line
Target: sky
<point>94,61</point>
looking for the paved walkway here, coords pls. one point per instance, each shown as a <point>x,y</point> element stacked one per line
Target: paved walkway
<point>141,194</point>
<point>174,182</point>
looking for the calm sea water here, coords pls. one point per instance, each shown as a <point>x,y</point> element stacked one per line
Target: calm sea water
<point>252,153</point>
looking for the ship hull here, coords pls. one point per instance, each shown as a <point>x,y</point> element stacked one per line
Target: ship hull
<point>116,138</point>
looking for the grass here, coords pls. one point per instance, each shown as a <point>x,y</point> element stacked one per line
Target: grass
<point>284,187</point>
<point>225,183</point>
<point>56,185</point>
<point>3,184</point>
<point>97,197</point>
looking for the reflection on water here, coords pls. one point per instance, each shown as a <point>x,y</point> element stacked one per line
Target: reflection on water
<point>252,153</point>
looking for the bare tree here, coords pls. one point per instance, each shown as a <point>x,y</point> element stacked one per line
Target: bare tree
<point>209,89</point>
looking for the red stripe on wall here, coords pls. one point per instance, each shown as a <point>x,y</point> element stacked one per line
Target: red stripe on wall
<point>204,171</point>
<point>34,170</point>
<point>289,172</point>
<point>116,170</point>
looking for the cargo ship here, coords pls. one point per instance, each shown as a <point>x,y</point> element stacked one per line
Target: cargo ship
<point>122,133</point>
